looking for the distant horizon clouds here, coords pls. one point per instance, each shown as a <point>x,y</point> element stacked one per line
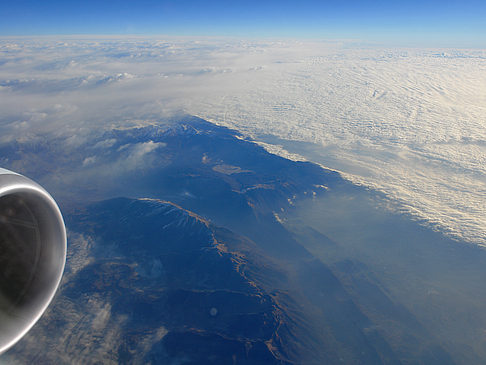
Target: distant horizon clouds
<point>402,23</point>
<point>407,122</point>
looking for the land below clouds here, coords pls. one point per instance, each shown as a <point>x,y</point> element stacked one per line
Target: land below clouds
<point>276,260</point>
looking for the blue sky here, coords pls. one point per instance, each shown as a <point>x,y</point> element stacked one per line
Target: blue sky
<point>435,22</point>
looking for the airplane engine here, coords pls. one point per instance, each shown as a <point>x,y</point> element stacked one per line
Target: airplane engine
<point>32,254</point>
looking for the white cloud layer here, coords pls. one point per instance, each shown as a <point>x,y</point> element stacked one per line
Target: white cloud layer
<point>411,123</point>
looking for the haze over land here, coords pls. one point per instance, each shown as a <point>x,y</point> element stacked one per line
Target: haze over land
<point>219,242</point>
<point>409,122</point>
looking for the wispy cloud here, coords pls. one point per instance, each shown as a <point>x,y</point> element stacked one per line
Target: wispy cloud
<point>408,122</point>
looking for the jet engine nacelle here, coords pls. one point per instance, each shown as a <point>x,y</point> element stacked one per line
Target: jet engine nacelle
<point>32,254</point>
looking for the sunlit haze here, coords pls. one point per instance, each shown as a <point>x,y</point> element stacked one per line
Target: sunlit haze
<point>411,23</point>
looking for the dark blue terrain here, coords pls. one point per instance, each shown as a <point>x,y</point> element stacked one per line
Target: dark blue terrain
<point>178,255</point>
